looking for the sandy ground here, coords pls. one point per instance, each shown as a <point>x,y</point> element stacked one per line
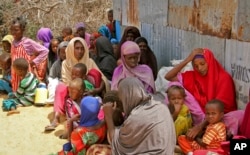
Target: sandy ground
<point>24,134</point>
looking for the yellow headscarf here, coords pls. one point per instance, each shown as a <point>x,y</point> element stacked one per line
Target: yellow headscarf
<point>70,61</point>
<point>9,38</point>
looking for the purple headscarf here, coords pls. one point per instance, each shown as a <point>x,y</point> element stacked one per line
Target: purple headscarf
<point>90,108</point>
<point>79,25</point>
<point>45,35</point>
<point>142,72</point>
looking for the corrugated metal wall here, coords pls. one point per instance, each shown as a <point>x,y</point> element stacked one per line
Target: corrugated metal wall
<point>175,27</point>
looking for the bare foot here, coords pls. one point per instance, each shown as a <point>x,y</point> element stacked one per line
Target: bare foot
<point>12,112</point>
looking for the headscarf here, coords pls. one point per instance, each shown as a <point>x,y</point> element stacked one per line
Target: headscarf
<point>148,57</point>
<point>9,38</point>
<point>104,31</point>
<point>70,61</point>
<point>142,72</point>
<point>80,25</point>
<point>155,132</point>
<point>45,35</point>
<point>216,84</point>
<point>61,45</point>
<point>90,107</point>
<point>129,29</point>
<point>105,58</point>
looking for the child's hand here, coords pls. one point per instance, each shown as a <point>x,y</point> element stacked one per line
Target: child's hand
<point>177,107</point>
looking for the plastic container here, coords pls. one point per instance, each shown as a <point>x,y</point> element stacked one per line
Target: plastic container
<point>41,94</point>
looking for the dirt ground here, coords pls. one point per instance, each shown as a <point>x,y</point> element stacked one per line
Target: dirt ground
<point>24,134</point>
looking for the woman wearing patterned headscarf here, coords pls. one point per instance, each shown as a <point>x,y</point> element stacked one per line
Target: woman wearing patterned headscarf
<point>130,56</point>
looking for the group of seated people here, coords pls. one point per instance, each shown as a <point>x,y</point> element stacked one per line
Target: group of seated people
<point>109,98</point>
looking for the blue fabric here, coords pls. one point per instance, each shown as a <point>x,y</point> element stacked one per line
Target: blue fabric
<point>104,30</point>
<point>118,30</point>
<point>90,107</point>
<point>8,104</point>
<point>4,85</point>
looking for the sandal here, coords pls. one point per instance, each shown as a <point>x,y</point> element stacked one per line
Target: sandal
<point>51,127</point>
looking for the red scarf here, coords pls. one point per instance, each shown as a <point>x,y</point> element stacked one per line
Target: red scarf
<point>216,84</point>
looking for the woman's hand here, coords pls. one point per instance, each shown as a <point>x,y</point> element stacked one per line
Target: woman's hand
<point>108,108</point>
<point>194,53</point>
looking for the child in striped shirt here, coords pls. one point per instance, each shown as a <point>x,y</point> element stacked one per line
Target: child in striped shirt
<point>215,132</point>
<point>25,94</point>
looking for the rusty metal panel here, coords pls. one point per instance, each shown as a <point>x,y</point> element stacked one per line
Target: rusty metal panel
<point>237,63</point>
<point>117,8</point>
<point>209,17</point>
<point>241,25</point>
<point>153,11</point>
<point>130,13</point>
<point>169,43</point>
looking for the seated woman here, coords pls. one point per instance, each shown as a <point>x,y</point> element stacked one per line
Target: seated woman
<point>148,128</point>
<point>105,58</point>
<point>207,81</point>
<point>147,55</point>
<point>130,34</point>
<point>90,130</point>
<point>130,56</point>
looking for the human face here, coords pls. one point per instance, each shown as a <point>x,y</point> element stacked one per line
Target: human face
<point>110,17</point>
<point>92,39</point>
<point>143,46</point>
<point>78,50</point>
<point>17,31</point>
<point>54,45</point>
<point>201,66</point>
<point>176,97</point>
<point>81,32</point>
<point>130,37</point>
<point>20,73</point>
<point>132,59</point>
<point>62,53</point>
<point>5,64</point>
<point>213,114</point>
<point>77,73</point>
<point>75,92</point>
<point>6,46</point>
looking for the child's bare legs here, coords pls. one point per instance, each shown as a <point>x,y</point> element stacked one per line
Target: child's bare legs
<point>13,110</point>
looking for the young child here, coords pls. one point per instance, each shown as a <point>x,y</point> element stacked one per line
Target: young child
<point>78,71</point>
<point>76,89</point>
<point>112,96</point>
<point>180,112</point>
<point>5,64</point>
<point>53,50</point>
<point>215,132</point>
<point>25,94</point>
<point>67,34</point>
<point>6,42</point>
<point>90,131</point>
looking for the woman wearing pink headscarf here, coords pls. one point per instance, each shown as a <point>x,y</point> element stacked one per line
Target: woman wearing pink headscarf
<point>130,56</point>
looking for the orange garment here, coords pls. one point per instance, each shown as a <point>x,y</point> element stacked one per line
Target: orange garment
<point>213,136</point>
<point>82,138</point>
<point>17,52</point>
